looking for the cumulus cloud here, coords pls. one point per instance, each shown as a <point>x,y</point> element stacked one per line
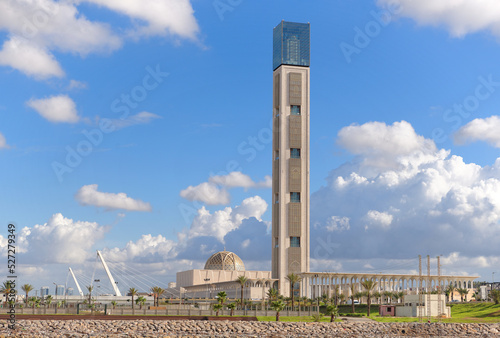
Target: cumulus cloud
<point>3,142</point>
<point>221,222</point>
<point>139,118</point>
<point>36,28</point>
<point>336,223</point>
<point>145,250</point>
<point>237,179</point>
<point>431,201</point>
<point>208,193</point>
<point>30,59</point>
<point>40,26</point>
<point>60,240</point>
<point>459,17</point>
<point>486,130</point>
<point>380,145</point>
<point>58,109</point>
<point>157,17</point>
<point>377,218</point>
<point>89,195</point>
<point>214,192</point>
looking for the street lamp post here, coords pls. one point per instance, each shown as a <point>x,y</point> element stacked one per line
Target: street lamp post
<point>56,290</point>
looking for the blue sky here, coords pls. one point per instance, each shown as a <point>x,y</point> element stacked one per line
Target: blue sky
<point>176,98</point>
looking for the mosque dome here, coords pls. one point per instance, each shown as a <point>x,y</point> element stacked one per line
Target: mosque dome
<point>225,260</point>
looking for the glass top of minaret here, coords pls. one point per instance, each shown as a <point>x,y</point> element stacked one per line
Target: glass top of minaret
<point>291,44</point>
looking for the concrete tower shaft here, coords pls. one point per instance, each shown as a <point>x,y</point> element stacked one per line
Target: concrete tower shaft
<point>291,87</point>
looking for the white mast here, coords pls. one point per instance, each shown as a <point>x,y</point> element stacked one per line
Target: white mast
<point>76,282</point>
<point>111,279</point>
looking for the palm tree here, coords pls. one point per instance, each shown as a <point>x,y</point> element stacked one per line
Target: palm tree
<point>353,289</point>
<point>388,295</point>
<point>293,279</point>
<point>141,301</point>
<point>336,289</point>
<point>495,296</point>
<point>113,302</point>
<point>401,296</point>
<point>217,308</point>
<point>31,301</point>
<point>222,297</point>
<point>272,294</point>
<point>231,307</point>
<point>159,292</point>
<point>359,295</point>
<point>333,312</point>
<point>376,295</point>
<point>5,289</point>
<point>90,288</point>
<point>463,293</point>
<point>242,280</point>
<point>369,286</point>
<point>341,297</point>
<point>278,306</point>
<point>450,289</point>
<point>27,288</point>
<point>48,300</point>
<point>133,293</point>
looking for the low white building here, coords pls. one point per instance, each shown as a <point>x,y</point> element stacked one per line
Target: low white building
<point>412,306</point>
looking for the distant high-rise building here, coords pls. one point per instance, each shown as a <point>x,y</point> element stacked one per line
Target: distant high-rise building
<point>290,220</point>
<point>69,292</point>
<point>60,290</point>
<point>44,291</point>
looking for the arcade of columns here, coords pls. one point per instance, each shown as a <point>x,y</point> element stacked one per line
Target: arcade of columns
<point>316,284</point>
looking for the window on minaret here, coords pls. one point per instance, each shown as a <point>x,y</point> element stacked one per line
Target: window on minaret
<point>295,242</point>
<point>294,153</point>
<point>295,197</point>
<point>276,154</point>
<point>295,110</point>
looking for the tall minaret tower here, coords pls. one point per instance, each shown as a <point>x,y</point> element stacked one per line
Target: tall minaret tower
<point>290,230</point>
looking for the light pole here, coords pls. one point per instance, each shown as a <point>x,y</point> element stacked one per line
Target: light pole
<point>492,280</point>
<point>56,290</point>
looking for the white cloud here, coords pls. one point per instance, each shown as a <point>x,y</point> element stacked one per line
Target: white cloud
<point>336,223</point>
<point>460,17</point>
<point>433,202</point>
<point>88,195</point>
<point>381,145</point>
<point>162,17</point>
<point>237,179</point>
<point>30,59</point>
<point>139,118</point>
<point>207,193</point>
<point>56,26</point>
<point>74,84</point>
<point>56,109</point>
<point>223,221</point>
<point>3,142</point>
<point>378,218</point>
<point>215,192</point>
<point>45,26</point>
<point>480,130</point>
<point>148,245</point>
<point>60,240</point>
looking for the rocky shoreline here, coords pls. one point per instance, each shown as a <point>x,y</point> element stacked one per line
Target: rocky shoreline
<point>190,328</point>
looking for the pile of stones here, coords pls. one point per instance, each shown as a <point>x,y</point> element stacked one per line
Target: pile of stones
<point>190,328</point>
